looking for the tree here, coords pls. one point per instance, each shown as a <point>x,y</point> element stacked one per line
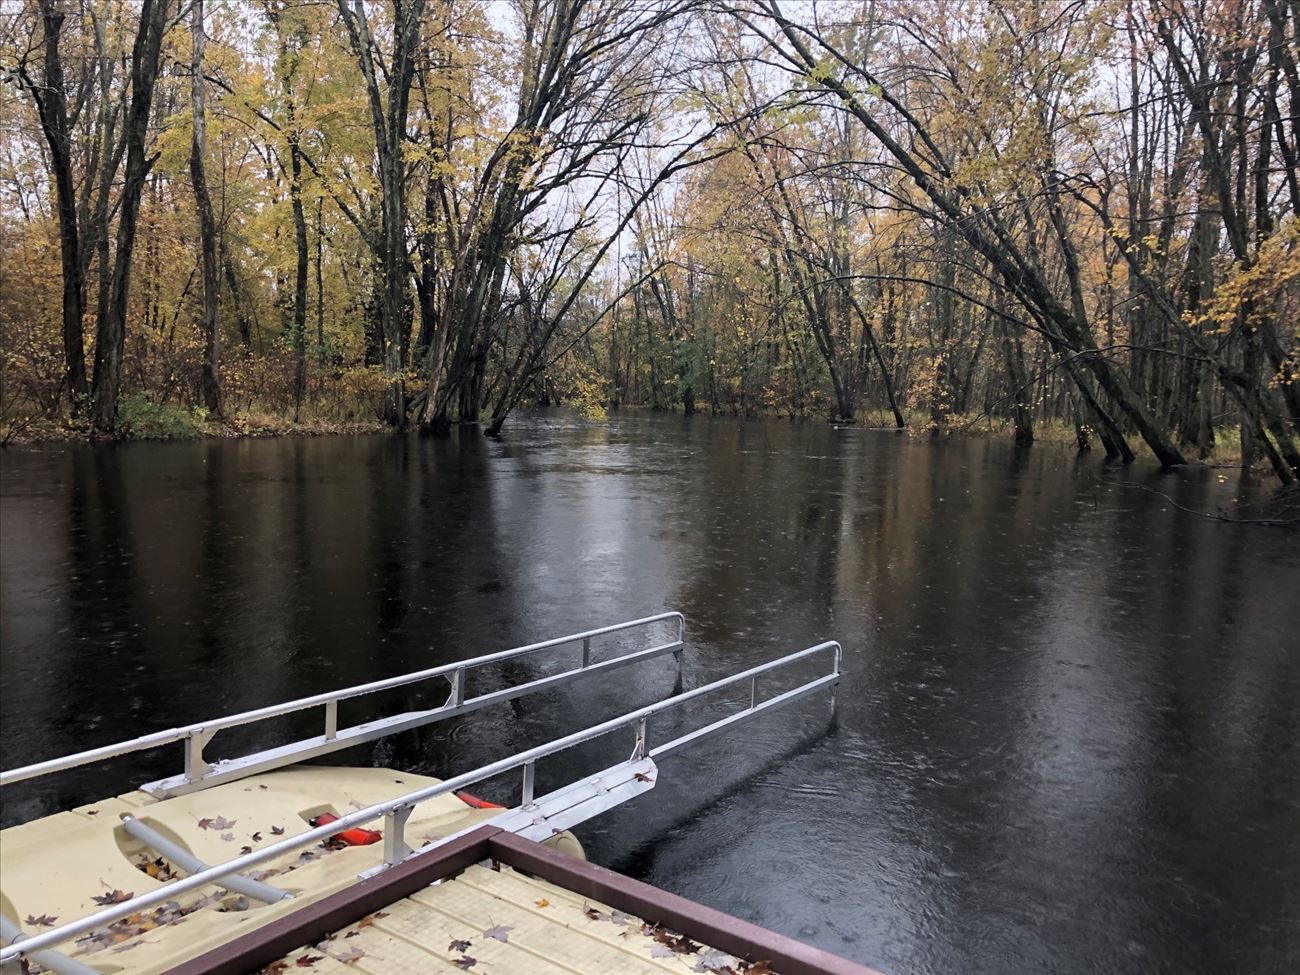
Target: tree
<point>111,332</point>
<point>207,222</point>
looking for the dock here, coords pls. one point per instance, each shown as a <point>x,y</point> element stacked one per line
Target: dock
<point>492,902</point>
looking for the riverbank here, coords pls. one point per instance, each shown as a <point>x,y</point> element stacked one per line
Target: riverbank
<point>142,420</point>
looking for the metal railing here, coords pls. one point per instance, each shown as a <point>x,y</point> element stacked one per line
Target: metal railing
<point>395,812</point>
<point>199,773</point>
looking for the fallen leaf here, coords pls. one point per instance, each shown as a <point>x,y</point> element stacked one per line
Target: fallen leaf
<point>715,961</point>
<point>542,903</point>
<point>228,837</point>
<point>352,954</point>
<point>245,850</point>
<point>306,961</point>
<point>618,917</point>
<point>277,830</point>
<point>44,921</point>
<point>158,868</point>
<point>92,812</point>
<point>501,932</point>
<point>378,914</point>
<point>461,946</point>
<point>275,968</point>
<point>642,777</point>
<point>217,822</point>
<point>466,962</point>
<point>763,967</point>
<point>112,897</point>
<point>661,951</point>
<point>678,943</point>
<point>352,934</point>
<point>592,913</point>
<point>262,786</point>
<point>256,837</point>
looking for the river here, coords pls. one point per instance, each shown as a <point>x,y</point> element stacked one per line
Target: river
<point>1067,738</point>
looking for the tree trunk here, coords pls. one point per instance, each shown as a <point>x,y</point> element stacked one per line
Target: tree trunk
<point>299,278</point>
<point>52,108</point>
<point>111,332</point>
<point>207,223</point>
<point>388,118</point>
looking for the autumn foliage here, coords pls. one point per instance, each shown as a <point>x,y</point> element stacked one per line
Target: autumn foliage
<point>939,215</point>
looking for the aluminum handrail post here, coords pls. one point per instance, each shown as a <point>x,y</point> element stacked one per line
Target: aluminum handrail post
<point>526,794</point>
<point>331,720</point>
<point>639,750</point>
<point>753,692</point>
<point>586,652</point>
<point>195,765</point>
<point>396,849</point>
<point>836,664</point>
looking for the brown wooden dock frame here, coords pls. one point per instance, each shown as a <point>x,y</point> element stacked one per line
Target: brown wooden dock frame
<point>267,944</point>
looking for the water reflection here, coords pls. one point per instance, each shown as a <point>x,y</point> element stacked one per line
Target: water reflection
<point>1068,731</point>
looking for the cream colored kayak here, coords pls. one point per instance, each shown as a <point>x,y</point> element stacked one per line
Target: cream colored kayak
<point>72,863</point>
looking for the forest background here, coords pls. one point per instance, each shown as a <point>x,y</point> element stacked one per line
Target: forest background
<point>1058,220</point>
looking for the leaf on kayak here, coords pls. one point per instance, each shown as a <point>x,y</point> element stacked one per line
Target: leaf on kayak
<point>306,961</point>
<point>461,946</point>
<point>44,921</point>
<point>465,962</point>
<point>228,837</point>
<point>351,955</point>
<point>112,897</point>
<point>256,837</point>
<point>277,830</point>
<point>216,822</point>
<point>501,932</point>
<point>157,868</point>
<point>245,850</point>
<point>542,903</point>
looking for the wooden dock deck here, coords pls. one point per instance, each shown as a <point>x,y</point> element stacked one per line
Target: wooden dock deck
<point>491,903</point>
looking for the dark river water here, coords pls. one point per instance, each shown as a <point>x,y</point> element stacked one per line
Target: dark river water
<point>1068,734</point>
